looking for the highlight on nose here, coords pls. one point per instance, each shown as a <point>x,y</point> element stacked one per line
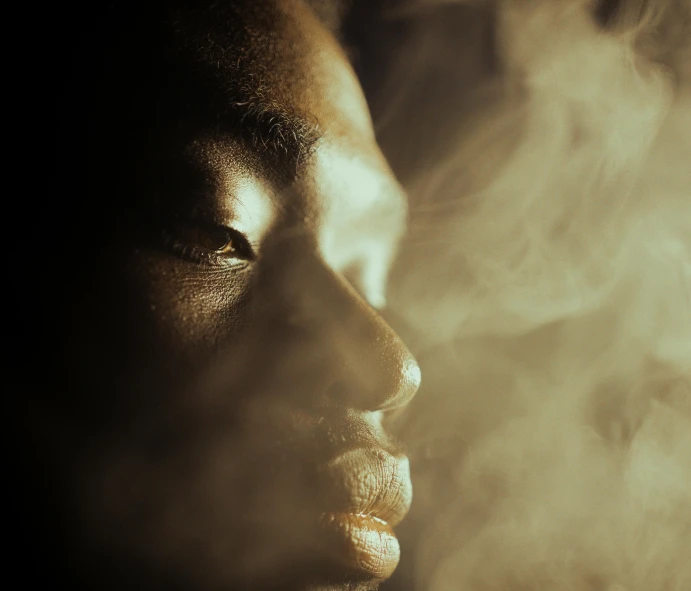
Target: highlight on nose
<point>411,376</point>
<point>356,358</point>
<point>377,371</point>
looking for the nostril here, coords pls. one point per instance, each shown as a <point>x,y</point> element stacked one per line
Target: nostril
<point>341,392</point>
<point>351,392</point>
<point>392,390</point>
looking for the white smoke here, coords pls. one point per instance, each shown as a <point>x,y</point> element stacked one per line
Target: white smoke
<point>548,280</point>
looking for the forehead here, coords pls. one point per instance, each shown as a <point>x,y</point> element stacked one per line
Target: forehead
<point>271,76</point>
<point>271,65</point>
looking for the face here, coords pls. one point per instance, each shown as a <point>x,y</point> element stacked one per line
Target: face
<point>229,373</point>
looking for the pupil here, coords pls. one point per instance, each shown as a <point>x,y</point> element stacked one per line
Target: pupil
<point>215,239</point>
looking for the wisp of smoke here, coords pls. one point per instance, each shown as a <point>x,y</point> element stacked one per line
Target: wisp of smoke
<point>548,280</point>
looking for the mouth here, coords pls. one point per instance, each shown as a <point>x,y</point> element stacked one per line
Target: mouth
<point>344,486</point>
<point>371,493</point>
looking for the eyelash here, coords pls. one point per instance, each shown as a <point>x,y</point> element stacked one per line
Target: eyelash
<point>204,256</point>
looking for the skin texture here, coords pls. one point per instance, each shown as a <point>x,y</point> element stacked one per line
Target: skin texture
<point>214,411</point>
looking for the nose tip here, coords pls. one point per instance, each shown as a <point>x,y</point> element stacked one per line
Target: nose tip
<point>383,380</point>
<point>356,359</point>
<point>378,371</point>
<point>410,378</point>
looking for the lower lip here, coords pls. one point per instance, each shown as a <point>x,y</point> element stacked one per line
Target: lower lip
<point>362,543</point>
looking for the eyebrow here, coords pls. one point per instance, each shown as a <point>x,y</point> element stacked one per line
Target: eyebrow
<point>274,131</point>
<point>214,58</point>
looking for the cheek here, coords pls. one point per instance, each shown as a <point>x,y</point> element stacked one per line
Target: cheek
<point>189,311</point>
<point>150,325</point>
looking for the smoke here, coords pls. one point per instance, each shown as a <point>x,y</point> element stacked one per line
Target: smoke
<point>546,287</point>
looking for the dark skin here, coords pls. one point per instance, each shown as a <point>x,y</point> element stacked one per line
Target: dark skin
<point>226,376</point>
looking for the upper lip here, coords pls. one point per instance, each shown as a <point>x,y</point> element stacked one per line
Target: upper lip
<point>351,463</point>
<point>368,481</point>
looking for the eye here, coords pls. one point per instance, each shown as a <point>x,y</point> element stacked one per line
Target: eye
<point>205,242</point>
<point>217,239</point>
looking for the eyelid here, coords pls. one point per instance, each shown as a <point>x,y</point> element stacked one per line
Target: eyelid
<point>172,241</point>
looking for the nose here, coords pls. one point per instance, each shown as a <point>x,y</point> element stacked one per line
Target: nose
<point>369,367</point>
<point>356,357</point>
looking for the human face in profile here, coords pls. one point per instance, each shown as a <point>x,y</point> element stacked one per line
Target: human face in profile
<point>230,373</point>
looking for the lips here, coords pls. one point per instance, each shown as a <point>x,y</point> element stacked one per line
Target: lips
<point>369,492</point>
<point>341,488</point>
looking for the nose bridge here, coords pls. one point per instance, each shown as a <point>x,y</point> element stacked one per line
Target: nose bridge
<point>368,365</point>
